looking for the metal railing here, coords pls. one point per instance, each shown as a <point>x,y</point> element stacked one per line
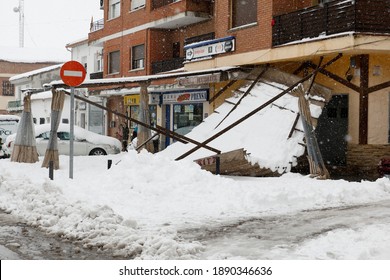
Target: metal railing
<point>15,105</point>
<point>97,25</point>
<point>160,3</point>
<point>167,65</point>
<point>331,18</point>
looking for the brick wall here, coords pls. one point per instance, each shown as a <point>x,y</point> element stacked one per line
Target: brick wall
<point>364,159</point>
<point>248,38</point>
<point>287,6</point>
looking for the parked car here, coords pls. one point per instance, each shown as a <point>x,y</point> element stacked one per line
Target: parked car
<point>8,126</point>
<point>85,142</point>
<point>384,167</point>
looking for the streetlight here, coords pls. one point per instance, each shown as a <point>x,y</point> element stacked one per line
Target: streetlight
<point>20,10</point>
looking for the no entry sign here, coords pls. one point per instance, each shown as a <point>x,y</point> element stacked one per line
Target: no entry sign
<point>73,73</point>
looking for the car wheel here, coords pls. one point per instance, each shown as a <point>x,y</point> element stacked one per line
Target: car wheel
<point>98,152</point>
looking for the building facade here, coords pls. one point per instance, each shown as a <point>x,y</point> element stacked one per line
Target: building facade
<point>350,37</point>
<point>14,61</point>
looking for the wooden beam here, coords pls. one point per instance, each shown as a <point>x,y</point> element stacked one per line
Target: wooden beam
<point>378,87</point>
<point>158,129</point>
<point>335,77</point>
<point>221,91</point>
<point>363,100</point>
<point>307,77</point>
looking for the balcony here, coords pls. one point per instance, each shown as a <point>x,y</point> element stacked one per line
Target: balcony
<point>335,17</point>
<point>14,106</point>
<point>96,75</point>
<point>97,25</point>
<point>167,65</point>
<point>160,3</point>
<point>180,13</point>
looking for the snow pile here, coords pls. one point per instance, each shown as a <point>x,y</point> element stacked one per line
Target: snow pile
<point>264,135</point>
<point>139,207</point>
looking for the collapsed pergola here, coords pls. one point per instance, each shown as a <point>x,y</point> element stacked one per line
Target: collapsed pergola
<point>229,74</point>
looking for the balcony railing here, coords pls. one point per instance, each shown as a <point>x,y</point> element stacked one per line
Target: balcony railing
<point>331,18</point>
<point>96,75</point>
<point>160,3</point>
<point>14,106</point>
<point>167,65</point>
<point>97,25</point>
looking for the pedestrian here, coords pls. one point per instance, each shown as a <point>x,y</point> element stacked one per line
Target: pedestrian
<point>125,137</point>
<point>135,132</point>
<point>155,139</point>
<point>156,142</point>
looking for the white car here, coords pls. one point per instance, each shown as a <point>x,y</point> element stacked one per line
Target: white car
<point>85,142</point>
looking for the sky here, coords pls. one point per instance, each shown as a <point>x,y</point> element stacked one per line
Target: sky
<point>47,23</point>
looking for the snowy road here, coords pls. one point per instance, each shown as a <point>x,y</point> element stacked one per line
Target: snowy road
<point>334,233</point>
<point>19,241</point>
<point>294,236</point>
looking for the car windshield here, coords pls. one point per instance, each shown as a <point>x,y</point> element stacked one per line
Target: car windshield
<point>62,135</point>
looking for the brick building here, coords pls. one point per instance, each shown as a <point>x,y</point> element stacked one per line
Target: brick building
<point>14,61</point>
<point>296,36</point>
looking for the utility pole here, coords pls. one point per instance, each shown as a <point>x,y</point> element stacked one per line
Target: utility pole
<point>20,10</point>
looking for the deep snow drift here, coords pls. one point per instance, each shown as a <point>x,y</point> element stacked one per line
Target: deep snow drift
<point>138,206</point>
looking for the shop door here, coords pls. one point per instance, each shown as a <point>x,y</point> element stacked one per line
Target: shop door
<point>167,123</point>
<point>332,131</point>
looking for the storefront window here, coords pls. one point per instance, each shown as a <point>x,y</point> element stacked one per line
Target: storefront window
<point>134,111</point>
<point>186,117</point>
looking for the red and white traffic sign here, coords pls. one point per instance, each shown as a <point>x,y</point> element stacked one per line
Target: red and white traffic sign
<point>73,73</point>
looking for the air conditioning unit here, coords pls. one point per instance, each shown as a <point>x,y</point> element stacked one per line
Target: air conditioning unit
<point>101,4</point>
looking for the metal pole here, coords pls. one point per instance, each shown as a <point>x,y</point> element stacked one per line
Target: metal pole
<point>71,133</point>
<point>51,170</point>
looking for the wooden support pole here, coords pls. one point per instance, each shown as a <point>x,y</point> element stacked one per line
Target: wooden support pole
<point>363,100</point>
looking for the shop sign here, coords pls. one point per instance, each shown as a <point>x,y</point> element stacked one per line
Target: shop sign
<point>200,80</point>
<point>178,97</point>
<point>154,99</point>
<point>130,100</point>
<point>206,161</point>
<point>210,48</point>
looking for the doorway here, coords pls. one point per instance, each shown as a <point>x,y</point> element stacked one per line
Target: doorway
<point>332,131</point>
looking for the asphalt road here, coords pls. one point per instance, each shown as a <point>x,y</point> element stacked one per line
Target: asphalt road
<point>18,241</point>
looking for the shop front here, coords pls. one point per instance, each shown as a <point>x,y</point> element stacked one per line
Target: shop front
<point>181,110</point>
<point>131,103</point>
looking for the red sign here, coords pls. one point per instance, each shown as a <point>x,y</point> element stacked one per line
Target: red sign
<point>73,73</point>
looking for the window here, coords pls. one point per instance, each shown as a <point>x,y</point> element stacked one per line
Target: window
<point>138,57</point>
<point>244,12</point>
<point>113,62</point>
<point>186,117</point>
<point>65,120</point>
<point>8,89</point>
<point>176,50</point>
<point>136,4</point>
<point>114,10</point>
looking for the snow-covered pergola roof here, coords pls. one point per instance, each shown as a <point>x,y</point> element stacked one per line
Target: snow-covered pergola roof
<point>35,72</point>
<point>147,78</point>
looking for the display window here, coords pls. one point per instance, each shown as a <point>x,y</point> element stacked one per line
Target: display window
<point>186,117</point>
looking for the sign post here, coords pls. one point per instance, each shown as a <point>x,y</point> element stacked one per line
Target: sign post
<point>72,74</point>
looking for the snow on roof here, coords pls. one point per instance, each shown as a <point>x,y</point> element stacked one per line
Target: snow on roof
<point>134,79</point>
<point>33,55</point>
<point>35,72</point>
<point>264,135</point>
<point>42,95</point>
<point>9,117</point>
